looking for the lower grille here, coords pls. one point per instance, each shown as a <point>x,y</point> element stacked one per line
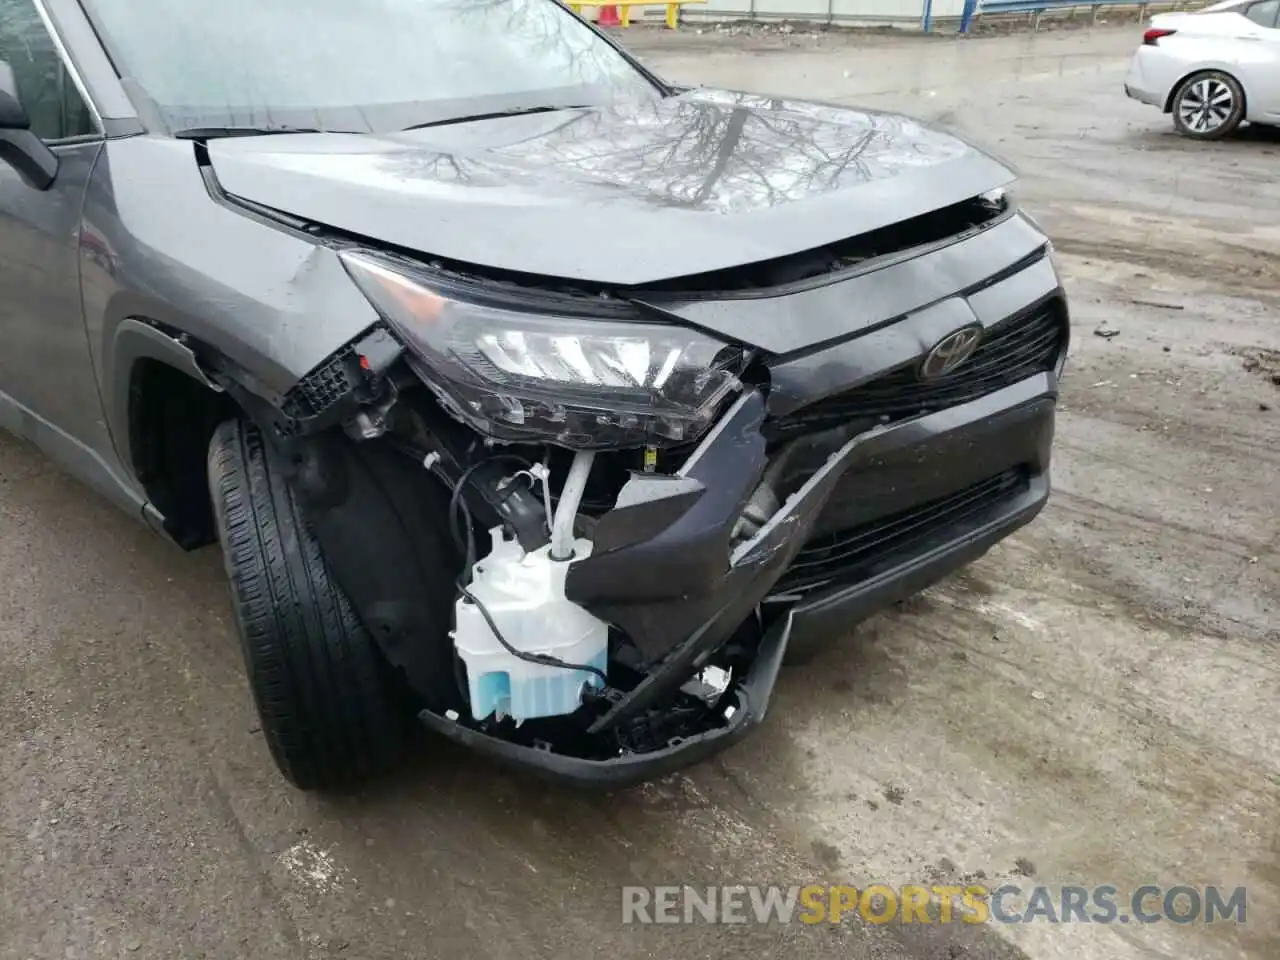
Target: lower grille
<point>853,554</point>
<point>1022,346</point>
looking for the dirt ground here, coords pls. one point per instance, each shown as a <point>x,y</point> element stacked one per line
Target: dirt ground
<point>1094,702</point>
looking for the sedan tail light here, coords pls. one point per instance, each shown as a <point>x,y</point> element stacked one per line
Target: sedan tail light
<point>1155,33</point>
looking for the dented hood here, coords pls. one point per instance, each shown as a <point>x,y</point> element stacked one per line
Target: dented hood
<point>620,195</point>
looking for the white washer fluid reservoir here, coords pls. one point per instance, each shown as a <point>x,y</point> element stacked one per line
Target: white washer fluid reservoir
<point>524,594</point>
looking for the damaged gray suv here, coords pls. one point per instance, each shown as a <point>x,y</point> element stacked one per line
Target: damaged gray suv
<point>532,400</point>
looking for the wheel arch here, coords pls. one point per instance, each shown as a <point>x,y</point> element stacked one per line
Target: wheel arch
<point>1223,68</point>
<point>163,409</point>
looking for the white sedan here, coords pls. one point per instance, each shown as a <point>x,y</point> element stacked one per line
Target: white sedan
<point>1212,68</point>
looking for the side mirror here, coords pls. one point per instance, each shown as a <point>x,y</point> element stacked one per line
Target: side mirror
<point>19,147</point>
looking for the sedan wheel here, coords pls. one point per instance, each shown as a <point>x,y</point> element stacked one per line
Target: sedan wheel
<point>1208,106</point>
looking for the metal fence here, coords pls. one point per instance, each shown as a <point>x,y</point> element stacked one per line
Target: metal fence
<point>1036,9</point>
<point>926,15</point>
<point>904,13</point>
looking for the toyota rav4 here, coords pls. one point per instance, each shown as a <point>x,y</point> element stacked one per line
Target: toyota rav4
<point>531,399</point>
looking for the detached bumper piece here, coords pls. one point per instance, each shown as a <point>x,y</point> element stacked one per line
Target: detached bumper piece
<point>629,768</point>
<point>812,592</point>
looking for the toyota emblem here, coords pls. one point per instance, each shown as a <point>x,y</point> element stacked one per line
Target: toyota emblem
<point>951,351</point>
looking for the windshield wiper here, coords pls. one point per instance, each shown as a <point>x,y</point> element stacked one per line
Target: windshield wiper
<point>215,133</point>
<point>517,112</point>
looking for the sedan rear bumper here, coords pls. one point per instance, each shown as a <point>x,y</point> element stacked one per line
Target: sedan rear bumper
<point>1143,96</point>
<point>1151,75</point>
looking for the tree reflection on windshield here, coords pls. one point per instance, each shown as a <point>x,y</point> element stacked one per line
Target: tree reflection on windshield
<point>373,65</point>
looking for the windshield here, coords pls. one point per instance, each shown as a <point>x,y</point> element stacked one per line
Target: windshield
<point>357,65</point>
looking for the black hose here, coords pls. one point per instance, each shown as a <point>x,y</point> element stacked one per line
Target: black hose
<point>542,659</point>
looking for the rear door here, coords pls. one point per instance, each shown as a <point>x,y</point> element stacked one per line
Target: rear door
<point>1259,60</point>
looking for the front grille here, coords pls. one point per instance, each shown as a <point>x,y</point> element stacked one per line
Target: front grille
<point>1022,346</point>
<point>854,554</point>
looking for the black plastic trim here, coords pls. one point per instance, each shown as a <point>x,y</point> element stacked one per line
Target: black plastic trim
<point>628,769</point>
<point>695,618</point>
<point>820,619</point>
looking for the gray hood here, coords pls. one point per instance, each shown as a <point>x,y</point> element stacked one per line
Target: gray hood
<point>622,195</point>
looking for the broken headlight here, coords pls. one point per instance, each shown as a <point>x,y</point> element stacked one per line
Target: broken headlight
<point>580,382</point>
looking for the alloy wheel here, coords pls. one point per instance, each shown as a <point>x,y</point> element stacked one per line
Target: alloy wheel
<point>1206,105</point>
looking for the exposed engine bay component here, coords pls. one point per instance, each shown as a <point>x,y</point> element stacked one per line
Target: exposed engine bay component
<point>352,379</point>
<point>709,686</point>
<point>526,649</point>
<point>562,543</point>
<point>517,599</point>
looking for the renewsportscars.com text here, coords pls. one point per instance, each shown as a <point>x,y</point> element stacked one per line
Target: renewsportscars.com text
<point>881,903</point>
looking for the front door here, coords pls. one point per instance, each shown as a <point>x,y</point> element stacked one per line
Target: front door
<point>48,390</point>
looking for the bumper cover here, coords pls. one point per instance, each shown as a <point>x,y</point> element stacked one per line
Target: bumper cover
<point>1150,74</point>
<point>1143,96</point>
<point>1013,426</point>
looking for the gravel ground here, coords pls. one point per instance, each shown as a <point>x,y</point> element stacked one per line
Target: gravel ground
<point>1094,702</point>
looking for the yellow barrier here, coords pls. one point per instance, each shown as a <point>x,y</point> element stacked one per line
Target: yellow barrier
<point>624,8</point>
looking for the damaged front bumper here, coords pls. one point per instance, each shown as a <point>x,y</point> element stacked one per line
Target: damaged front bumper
<point>672,568</point>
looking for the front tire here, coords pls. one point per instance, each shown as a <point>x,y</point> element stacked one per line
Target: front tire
<point>1208,106</point>
<point>327,701</point>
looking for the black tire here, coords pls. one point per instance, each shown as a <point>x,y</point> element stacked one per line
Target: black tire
<point>1208,106</point>
<point>329,705</point>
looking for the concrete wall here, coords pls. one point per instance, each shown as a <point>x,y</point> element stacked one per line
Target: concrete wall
<point>905,12</point>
